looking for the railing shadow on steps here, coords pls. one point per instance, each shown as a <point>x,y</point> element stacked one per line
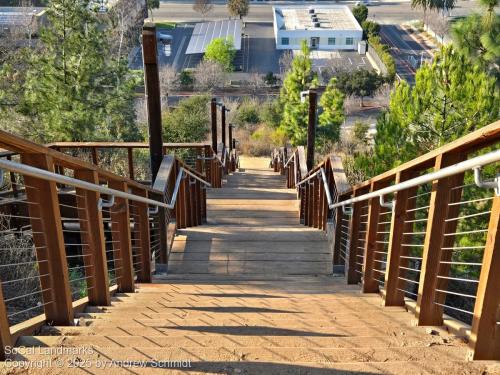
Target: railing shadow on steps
<point>424,235</point>
<point>72,233</point>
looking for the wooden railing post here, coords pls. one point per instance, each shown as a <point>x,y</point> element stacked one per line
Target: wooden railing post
<point>485,332</point>
<point>370,284</point>
<point>393,295</point>
<point>427,311</point>
<point>120,216</point>
<point>5,336</point>
<point>92,233</point>
<point>48,234</point>
<point>130,157</point>
<point>315,205</point>
<point>354,277</point>
<point>337,236</point>
<point>213,113</point>
<point>142,211</point>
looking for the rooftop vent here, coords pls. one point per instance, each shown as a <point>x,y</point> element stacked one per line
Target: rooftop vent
<point>317,24</point>
<point>311,10</point>
<point>314,18</point>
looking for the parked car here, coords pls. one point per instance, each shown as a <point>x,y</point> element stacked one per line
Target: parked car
<point>166,40</point>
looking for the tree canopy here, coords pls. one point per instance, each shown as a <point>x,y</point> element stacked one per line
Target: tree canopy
<point>189,122</point>
<point>222,51</point>
<point>360,12</point>
<point>238,8</point>
<point>450,98</point>
<point>70,88</point>
<point>332,116</point>
<point>299,78</point>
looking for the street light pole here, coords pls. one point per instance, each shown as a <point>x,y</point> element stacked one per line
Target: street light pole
<point>152,84</point>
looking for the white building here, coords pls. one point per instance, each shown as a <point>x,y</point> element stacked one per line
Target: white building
<point>325,27</point>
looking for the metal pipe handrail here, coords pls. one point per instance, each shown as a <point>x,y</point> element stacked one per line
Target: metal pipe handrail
<point>289,160</point>
<point>27,170</point>
<point>461,167</point>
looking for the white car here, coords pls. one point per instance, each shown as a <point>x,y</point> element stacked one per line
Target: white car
<point>166,40</point>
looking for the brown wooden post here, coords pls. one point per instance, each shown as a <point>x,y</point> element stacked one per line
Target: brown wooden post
<point>92,233</point>
<point>153,97</point>
<point>485,332</point>
<point>337,236</point>
<point>162,220</point>
<point>213,112</point>
<point>48,234</point>
<point>428,312</point>
<point>5,336</point>
<point>315,204</point>
<point>208,164</point>
<point>95,159</point>
<point>189,201</point>
<point>223,127</point>
<point>130,156</point>
<point>370,284</point>
<point>311,129</point>
<point>120,216</point>
<point>354,277</point>
<point>204,204</point>
<point>181,205</point>
<point>393,295</point>
<point>142,212</point>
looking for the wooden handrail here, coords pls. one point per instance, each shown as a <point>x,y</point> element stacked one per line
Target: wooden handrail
<point>107,235</point>
<point>479,139</point>
<point>381,238</point>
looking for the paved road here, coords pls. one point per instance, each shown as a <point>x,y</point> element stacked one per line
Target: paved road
<point>406,51</point>
<point>382,12</point>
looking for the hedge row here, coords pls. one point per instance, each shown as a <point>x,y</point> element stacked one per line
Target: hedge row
<point>383,52</point>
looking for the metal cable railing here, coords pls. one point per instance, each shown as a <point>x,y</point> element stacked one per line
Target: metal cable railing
<point>433,245</point>
<point>105,232</point>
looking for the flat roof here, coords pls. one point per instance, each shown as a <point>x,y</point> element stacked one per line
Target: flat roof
<point>205,32</point>
<point>18,15</point>
<point>329,17</point>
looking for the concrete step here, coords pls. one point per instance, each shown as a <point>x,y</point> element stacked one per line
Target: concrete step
<point>285,220</point>
<point>235,342</point>
<point>182,244</point>
<point>187,256</point>
<point>198,367</point>
<point>271,354</point>
<point>274,234</point>
<point>233,330</point>
<point>251,267</point>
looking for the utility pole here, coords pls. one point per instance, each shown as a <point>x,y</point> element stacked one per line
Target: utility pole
<point>213,110</point>
<point>311,129</point>
<point>152,83</point>
<point>223,120</point>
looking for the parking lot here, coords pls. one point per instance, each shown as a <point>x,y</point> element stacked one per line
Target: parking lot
<point>258,52</point>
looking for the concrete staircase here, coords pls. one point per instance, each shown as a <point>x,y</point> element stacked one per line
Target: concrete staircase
<point>250,293</point>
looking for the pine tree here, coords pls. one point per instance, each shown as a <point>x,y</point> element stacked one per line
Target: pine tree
<point>450,98</point>
<point>332,117</point>
<point>73,89</point>
<point>299,78</point>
